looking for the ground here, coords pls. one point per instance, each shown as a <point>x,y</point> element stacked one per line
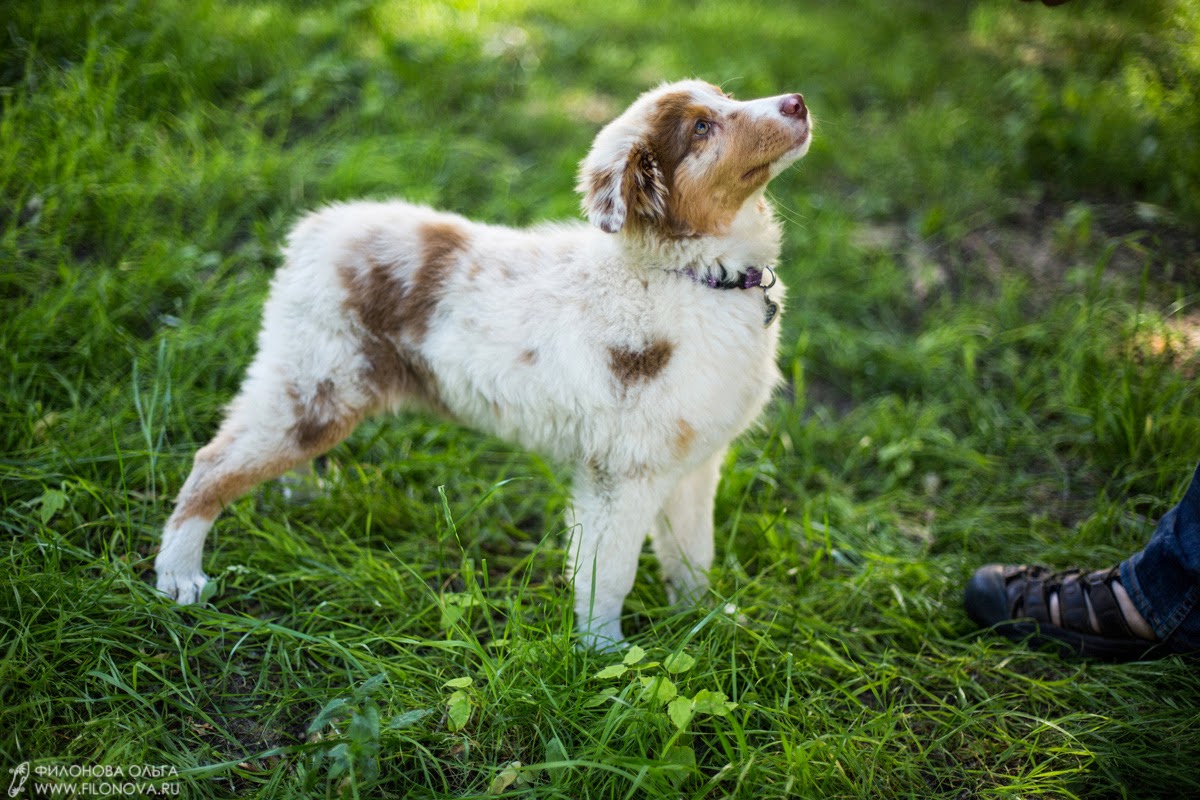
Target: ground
<point>989,351</point>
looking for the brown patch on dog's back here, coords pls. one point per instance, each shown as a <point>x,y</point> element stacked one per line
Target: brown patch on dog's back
<point>634,366</point>
<point>394,296</point>
<point>395,300</point>
<point>441,243</point>
<point>529,357</point>
<point>374,288</point>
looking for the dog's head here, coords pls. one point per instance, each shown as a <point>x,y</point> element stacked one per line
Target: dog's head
<point>685,158</point>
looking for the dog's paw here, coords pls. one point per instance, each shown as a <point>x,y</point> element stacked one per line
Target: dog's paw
<point>602,638</point>
<point>183,588</point>
<point>691,595</point>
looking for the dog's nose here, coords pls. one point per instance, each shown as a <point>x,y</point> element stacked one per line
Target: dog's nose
<point>793,106</point>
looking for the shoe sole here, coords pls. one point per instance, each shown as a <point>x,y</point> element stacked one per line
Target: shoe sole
<point>1082,644</point>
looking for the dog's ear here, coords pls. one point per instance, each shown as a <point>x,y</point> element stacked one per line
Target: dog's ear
<point>624,182</point>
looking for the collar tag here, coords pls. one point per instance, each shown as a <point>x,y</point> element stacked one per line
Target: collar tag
<point>772,308</point>
<point>771,312</point>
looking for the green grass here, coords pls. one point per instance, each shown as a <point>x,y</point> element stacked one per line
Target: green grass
<point>990,344</point>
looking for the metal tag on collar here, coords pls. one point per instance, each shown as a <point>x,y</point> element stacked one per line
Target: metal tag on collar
<point>772,308</point>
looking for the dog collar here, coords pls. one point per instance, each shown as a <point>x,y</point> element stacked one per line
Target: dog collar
<point>751,278</point>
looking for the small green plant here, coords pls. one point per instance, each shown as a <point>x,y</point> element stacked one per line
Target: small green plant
<point>353,741</point>
<point>651,687</point>
<point>461,704</point>
<point>354,726</point>
<point>49,503</point>
<point>659,691</point>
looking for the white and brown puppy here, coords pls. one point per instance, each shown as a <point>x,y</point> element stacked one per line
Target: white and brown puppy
<point>634,349</point>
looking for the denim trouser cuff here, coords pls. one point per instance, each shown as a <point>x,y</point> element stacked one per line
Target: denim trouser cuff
<point>1163,581</point>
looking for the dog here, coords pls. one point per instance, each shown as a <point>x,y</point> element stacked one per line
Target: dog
<point>634,348</point>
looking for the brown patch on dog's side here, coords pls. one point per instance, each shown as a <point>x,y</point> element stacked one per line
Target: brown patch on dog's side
<point>634,366</point>
<point>528,358</point>
<point>685,434</point>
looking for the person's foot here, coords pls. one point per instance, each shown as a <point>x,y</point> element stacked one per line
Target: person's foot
<point>1086,614</point>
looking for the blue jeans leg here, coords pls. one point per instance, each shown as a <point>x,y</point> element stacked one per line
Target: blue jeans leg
<point>1164,579</point>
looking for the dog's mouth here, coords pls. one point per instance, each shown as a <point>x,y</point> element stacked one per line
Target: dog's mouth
<point>754,173</point>
<point>801,143</point>
<point>799,148</point>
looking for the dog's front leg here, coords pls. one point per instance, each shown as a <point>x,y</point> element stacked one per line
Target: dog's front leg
<point>609,521</point>
<point>683,533</point>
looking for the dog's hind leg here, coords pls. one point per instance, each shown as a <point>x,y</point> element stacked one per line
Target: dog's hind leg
<point>683,534</point>
<point>272,426</point>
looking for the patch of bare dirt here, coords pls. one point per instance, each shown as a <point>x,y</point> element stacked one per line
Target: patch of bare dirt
<point>1049,244</point>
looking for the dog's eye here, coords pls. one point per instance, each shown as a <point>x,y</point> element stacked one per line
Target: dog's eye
<point>702,128</point>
